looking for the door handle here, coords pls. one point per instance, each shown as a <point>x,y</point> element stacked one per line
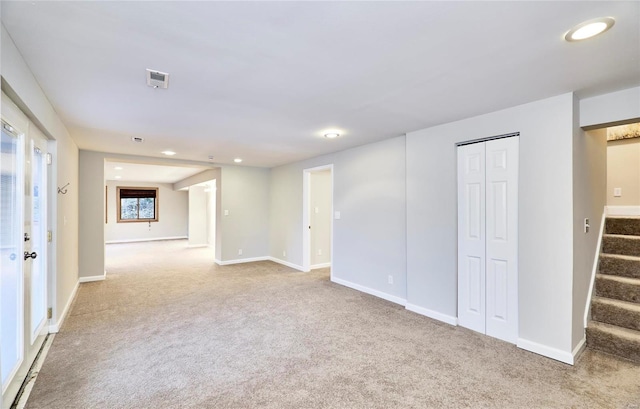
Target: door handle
<point>26,237</point>
<point>28,255</point>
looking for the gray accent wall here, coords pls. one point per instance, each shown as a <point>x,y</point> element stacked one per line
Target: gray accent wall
<point>369,239</point>
<point>589,200</point>
<point>20,85</point>
<point>545,216</point>
<point>172,215</point>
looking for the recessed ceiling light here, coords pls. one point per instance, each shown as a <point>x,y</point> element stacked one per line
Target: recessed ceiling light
<point>237,160</point>
<point>118,168</point>
<point>118,177</point>
<point>331,135</point>
<point>168,153</point>
<point>589,29</point>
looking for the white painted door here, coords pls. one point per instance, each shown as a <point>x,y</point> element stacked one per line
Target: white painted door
<point>487,237</point>
<point>471,236</point>
<point>23,278</point>
<point>502,238</point>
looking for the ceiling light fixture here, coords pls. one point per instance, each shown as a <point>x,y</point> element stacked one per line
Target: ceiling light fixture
<point>331,135</point>
<point>590,28</point>
<point>168,153</point>
<point>237,160</point>
<point>118,168</point>
<point>118,177</point>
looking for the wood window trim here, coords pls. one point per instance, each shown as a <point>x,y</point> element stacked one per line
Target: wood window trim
<point>155,210</point>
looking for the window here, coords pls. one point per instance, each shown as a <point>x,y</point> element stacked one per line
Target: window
<point>137,204</point>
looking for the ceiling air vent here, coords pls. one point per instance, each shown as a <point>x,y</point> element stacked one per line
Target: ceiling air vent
<point>157,79</point>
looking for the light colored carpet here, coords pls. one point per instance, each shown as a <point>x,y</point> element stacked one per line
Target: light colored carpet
<point>169,329</point>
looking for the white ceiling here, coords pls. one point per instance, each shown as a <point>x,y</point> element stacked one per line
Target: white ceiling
<point>264,80</point>
<point>139,172</point>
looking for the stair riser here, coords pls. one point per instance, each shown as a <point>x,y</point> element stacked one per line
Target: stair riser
<point>621,245</point>
<point>617,290</point>
<point>605,342</point>
<point>619,267</point>
<point>623,226</point>
<point>615,315</point>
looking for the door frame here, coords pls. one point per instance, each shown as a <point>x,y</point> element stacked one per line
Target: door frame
<point>306,215</point>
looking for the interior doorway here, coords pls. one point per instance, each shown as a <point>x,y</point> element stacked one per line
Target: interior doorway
<point>318,217</point>
<point>488,237</point>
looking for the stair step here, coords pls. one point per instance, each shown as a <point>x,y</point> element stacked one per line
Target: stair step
<point>619,265</point>
<point>623,225</point>
<point>621,342</point>
<point>621,244</point>
<point>615,312</point>
<point>618,288</point>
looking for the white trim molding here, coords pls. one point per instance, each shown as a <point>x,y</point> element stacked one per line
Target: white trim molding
<point>371,291</point>
<point>321,265</point>
<point>579,348</point>
<point>594,270</point>
<point>288,264</point>
<point>55,328</point>
<point>240,260</point>
<point>623,210</point>
<point>544,350</point>
<point>448,319</point>
<point>143,240</point>
<point>90,279</point>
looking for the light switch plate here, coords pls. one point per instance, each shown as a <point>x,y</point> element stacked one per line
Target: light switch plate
<point>226,213</point>
<point>336,215</point>
<point>617,192</point>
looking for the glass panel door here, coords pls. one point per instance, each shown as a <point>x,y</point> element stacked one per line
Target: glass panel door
<point>11,257</point>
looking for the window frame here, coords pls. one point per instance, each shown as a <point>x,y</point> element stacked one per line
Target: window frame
<point>119,219</point>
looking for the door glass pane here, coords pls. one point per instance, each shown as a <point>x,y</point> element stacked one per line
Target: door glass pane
<point>38,243</point>
<point>11,291</point>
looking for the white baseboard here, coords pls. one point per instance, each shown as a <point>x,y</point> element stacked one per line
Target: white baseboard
<point>286,263</point>
<point>321,265</point>
<point>240,260</point>
<point>371,291</point>
<point>142,240</point>
<point>623,210</point>
<point>55,328</point>
<point>549,352</point>
<point>578,349</point>
<point>90,279</point>
<point>432,314</point>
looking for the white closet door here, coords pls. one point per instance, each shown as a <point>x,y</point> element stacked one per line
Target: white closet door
<point>502,238</point>
<point>471,236</point>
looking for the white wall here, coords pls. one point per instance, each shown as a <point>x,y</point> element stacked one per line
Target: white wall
<point>589,192</point>
<point>369,239</point>
<point>610,109</point>
<point>545,217</point>
<point>623,171</point>
<point>20,85</point>
<point>320,217</point>
<point>198,226</point>
<point>245,196</point>
<point>172,215</point>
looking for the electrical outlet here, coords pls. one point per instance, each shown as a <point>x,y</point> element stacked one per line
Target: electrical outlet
<point>617,192</point>
<point>239,252</point>
<point>284,254</point>
<point>390,279</point>
<point>319,252</point>
<point>226,213</point>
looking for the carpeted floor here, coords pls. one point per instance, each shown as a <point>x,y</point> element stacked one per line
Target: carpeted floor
<point>169,329</point>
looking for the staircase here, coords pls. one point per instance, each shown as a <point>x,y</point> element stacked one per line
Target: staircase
<point>615,309</point>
